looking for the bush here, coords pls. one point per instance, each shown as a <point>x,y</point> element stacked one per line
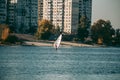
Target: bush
<point>12,39</point>
<point>68,37</point>
<point>75,39</point>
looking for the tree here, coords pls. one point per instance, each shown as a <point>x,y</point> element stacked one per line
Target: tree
<point>45,29</point>
<point>12,29</point>
<point>21,29</point>
<point>117,37</point>
<point>102,31</point>
<point>12,39</point>
<point>56,30</point>
<point>4,31</point>
<point>83,32</point>
<point>32,30</point>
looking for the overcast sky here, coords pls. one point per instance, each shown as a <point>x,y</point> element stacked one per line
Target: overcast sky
<point>107,10</point>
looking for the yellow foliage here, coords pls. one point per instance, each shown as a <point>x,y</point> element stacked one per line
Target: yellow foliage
<point>100,41</point>
<point>45,28</point>
<point>4,32</point>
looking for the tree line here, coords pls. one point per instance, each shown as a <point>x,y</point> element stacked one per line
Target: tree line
<point>101,32</point>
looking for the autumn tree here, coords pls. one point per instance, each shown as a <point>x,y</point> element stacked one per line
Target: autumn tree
<point>45,29</point>
<point>4,31</point>
<point>83,32</point>
<point>102,32</point>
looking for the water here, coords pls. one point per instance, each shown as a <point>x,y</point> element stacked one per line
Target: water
<point>68,63</point>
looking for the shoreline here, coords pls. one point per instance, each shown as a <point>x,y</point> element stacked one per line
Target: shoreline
<point>50,44</point>
<point>63,43</point>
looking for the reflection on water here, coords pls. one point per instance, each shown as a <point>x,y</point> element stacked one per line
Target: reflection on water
<point>67,63</point>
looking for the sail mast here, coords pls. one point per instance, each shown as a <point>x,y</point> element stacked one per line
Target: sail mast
<point>57,42</point>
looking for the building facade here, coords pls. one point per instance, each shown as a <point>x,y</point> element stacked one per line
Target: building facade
<point>24,14</point>
<point>3,11</point>
<point>66,13</point>
<point>19,14</point>
<point>53,10</point>
<point>40,9</point>
<point>11,12</point>
<point>27,15</point>
<point>85,9</point>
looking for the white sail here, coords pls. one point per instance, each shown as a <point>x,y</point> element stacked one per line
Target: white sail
<point>57,42</point>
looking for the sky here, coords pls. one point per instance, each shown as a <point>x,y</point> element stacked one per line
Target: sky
<point>107,10</point>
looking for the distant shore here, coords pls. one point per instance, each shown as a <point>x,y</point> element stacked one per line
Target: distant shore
<point>50,43</point>
<point>30,40</point>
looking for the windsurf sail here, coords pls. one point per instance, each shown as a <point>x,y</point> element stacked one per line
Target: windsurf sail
<point>57,42</point>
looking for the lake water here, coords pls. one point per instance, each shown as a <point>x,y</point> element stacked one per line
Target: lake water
<point>67,63</point>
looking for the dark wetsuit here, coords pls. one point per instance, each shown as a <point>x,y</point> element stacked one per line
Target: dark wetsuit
<point>56,46</point>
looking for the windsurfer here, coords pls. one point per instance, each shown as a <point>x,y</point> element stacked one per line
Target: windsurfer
<point>57,42</point>
<point>56,46</point>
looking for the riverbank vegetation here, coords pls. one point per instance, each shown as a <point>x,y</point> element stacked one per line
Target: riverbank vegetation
<point>4,31</point>
<point>101,33</point>
<point>45,29</point>
<point>83,32</point>
<point>6,37</point>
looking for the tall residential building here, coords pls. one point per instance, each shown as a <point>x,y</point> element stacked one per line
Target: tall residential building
<point>40,9</point>
<point>3,11</point>
<point>66,13</point>
<point>11,12</point>
<point>20,14</point>
<point>53,10</point>
<point>71,17</point>
<point>86,9</point>
<point>27,14</point>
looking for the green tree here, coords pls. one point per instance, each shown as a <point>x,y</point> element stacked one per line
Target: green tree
<point>12,29</point>
<point>117,37</point>
<point>57,30</point>
<point>21,29</point>
<point>45,29</point>
<point>83,32</point>
<point>12,39</point>
<point>102,31</point>
<point>31,30</point>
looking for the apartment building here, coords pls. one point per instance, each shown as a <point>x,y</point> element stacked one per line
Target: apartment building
<point>27,15</point>
<point>53,10</point>
<point>71,16</point>
<point>3,11</point>
<point>85,9</point>
<point>40,9</point>
<point>66,13</point>
<point>20,14</point>
<point>11,12</point>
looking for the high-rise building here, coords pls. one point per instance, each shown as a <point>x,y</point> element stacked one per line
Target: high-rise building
<point>85,9</point>
<point>53,10</point>
<point>11,12</point>
<point>3,11</point>
<point>66,13</point>
<point>27,14</point>
<point>21,14</point>
<point>71,17</point>
<point>40,9</point>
